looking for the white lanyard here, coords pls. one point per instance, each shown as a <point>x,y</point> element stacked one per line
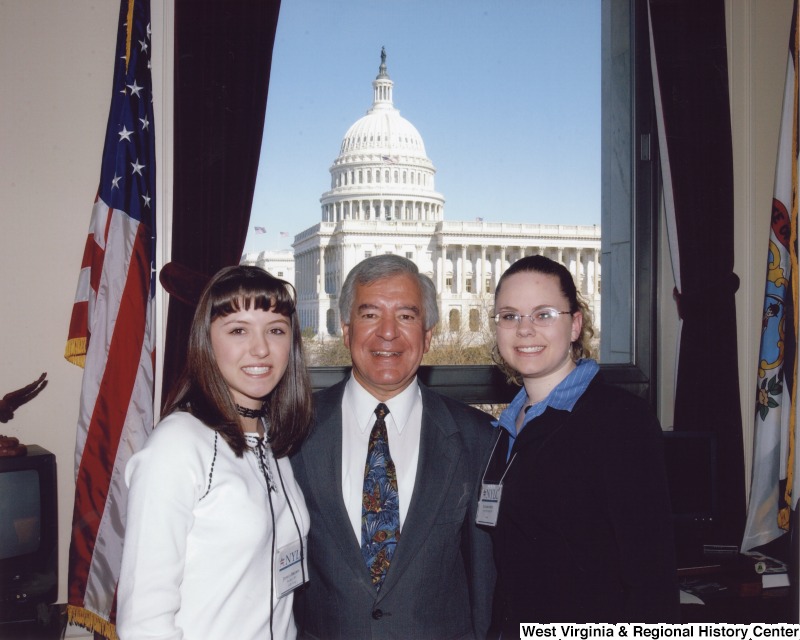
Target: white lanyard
<point>489,502</point>
<point>289,562</point>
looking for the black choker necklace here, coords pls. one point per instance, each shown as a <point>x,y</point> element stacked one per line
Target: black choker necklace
<point>251,413</point>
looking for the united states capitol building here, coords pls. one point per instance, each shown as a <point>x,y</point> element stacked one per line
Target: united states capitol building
<point>383,199</point>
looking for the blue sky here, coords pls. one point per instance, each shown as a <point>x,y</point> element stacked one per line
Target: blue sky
<point>505,93</point>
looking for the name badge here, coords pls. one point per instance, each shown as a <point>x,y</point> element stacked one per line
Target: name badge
<point>291,566</point>
<point>489,504</point>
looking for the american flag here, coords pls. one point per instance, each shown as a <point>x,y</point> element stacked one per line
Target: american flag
<point>260,230</point>
<point>284,234</point>
<point>111,332</point>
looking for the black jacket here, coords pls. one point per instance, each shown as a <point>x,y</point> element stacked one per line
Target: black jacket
<point>441,578</point>
<point>585,532</point>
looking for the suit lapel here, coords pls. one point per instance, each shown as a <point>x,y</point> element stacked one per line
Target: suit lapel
<point>322,454</point>
<point>440,451</point>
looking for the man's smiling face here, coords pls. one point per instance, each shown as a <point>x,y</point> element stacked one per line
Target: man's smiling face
<point>386,334</point>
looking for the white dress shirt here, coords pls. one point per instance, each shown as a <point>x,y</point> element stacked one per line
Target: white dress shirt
<point>403,427</point>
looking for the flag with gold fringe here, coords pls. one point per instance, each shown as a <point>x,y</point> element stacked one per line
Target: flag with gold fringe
<point>774,488</point>
<point>111,332</point>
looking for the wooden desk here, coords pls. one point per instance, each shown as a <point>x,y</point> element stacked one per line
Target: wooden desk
<point>733,594</point>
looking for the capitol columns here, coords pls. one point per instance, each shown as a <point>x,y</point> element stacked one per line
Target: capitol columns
<point>321,275</point>
<point>462,272</point>
<point>592,272</point>
<point>480,288</point>
<point>442,268</point>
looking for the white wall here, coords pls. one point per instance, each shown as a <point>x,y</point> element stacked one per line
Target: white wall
<point>56,67</point>
<point>56,63</point>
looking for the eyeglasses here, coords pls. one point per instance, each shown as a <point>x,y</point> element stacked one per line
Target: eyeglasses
<point>541,317</point>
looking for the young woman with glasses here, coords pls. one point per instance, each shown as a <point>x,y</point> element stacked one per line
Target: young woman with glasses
<point>575,492</point>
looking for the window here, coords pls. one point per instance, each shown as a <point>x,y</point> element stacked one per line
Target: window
<point>628,205</point>
<point>330,322</point>
<point>474,320</point>
<point>454,320</point>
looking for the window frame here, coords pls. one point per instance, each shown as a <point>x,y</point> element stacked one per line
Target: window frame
<point>486,384</point>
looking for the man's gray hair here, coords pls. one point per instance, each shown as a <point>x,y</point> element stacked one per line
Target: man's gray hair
<point>384,266</point>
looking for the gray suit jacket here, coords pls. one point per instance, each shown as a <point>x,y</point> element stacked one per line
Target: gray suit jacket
<point>441,579</point>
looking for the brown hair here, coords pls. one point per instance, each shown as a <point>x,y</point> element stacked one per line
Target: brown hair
<point>202,390</point>
<point>581,346</point>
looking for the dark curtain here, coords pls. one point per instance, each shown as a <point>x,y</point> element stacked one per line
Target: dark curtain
<point>690,53</point>
<point>223,55</point>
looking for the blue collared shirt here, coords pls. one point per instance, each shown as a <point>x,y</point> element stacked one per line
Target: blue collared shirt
<point>563,396</point>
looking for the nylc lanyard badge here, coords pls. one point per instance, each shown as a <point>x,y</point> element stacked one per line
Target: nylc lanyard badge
<point>292,569</point>
<point>489,502</point>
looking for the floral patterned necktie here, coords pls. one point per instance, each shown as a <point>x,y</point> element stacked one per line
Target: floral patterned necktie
<point>380,507</point>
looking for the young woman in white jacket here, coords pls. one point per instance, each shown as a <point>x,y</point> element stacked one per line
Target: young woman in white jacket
<point>216,525</point>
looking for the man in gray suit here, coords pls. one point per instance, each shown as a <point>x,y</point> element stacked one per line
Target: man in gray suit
<point>398,556</point>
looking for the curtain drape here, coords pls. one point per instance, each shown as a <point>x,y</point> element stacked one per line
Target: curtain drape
<point>223,55</point>
<point>690,75</point>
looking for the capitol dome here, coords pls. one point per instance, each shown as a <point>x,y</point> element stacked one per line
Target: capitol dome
<point>383,130</point>
<point>382,171</point>
<point>382,200</point>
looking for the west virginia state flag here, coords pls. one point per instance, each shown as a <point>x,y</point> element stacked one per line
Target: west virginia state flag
<point>775,487</point>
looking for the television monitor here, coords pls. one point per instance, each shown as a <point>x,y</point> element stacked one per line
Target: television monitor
<point>691,463</point>
<point>28,532</point>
